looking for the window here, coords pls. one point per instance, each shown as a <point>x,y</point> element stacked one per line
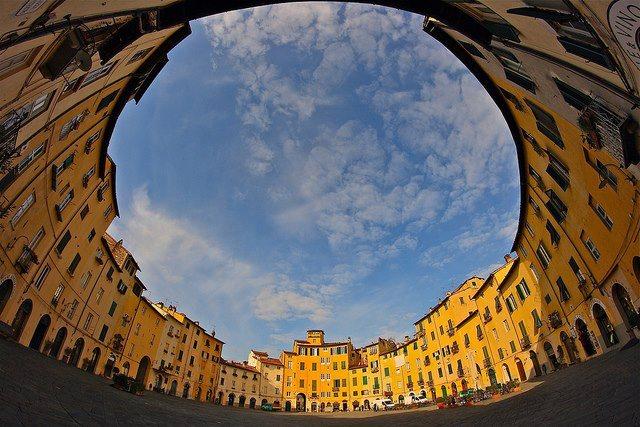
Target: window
<point>558,171</point>
<point>302,366</point>
<point>553,234</point>
<point>513,69</point>
<point>577,39</point>
<point>537,323</point>
<point>534,271</point>
<point>87,176</point>
<point>71,125</point>
<point>92,234</point>
<point>72,309</point>
<point>74,264</point>
<point>572,96</point>
<point>602,214</point>
<point>84,280</point>
<point>99,295</point>
<point>103,333</point>
<point>523,290</point>
<point>505,324</point>
<point>96,74</point>
<point>534,205</point>
<point>543,256</point>
<point>57,170</point>
<point>87,322</point>
<point>606,175</point>
<point>139,55</point>
<point>64,203</point>
<point>562,289</point>
<point>19,61</point>
<point>556,206</point>
<point>107,100</point>
<point>472,49</point>
<point>546,124</point>
<point>90,141</point>
<point>576,270</point>
<point>122,288</point>
<point>107,211</point>
<point>593,250</point>
<point>112,309</point>
<point>57,294</point>
<point>511,303</point>
<point>84,211</point>
<point>42,276</point>
<point>386,372</point>
<point>24,207</point>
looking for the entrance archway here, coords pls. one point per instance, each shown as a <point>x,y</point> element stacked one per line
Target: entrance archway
<point>301,402</point>
<point>345,406</point>
<point>366,405</point>
<point>569,347</point>
<point>143,370</point>
<point>6,289</point>
<point>536,364</point>
<point>287,406</point>
<point>21,318</point>
<point>231,399</point>
<point>58,342</point>
<point>584,338</point>
<point>252,403</point>
<point>108,367</point>
<point>95,357</point>
<point>314,406</point>
<point>551,355</point>
<point>76,353</point>
<point>208,395</point>
<point>185,390</point>
<point>465,386</point>
<point>521,372</point>
<point>506,373</point>
<point>40,332</point>
<point>241,401</point>
<point>220,398</point>
<point>623,303</point>
<point>607,330</point>
<point>493,380</point>
<point>454,389</point>
<point>443,390</point>
<point>173,389</point>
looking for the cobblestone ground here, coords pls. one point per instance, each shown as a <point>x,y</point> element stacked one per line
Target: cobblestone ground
<point>35,390</point>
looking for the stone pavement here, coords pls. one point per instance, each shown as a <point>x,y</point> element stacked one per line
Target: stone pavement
<point>36,390</point>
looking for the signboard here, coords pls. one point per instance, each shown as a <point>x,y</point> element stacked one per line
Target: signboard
<point>624,20</point>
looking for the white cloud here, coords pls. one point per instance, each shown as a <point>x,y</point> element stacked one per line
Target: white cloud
<point>260,157</point>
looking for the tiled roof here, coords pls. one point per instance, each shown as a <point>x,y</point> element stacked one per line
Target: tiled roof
<point>116,250</point>
<point>239,365</point>
<point>271,361</point>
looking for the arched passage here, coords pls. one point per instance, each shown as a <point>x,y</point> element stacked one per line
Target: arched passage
<point>521,372</point>
<point>185,390</point>
<point>607,331</point>
<point>40,332</point>
<point>536,364</point>
<point>58,342</point>
<point>143,370</point>
<point>241,401</point>
<point>21,318</point>
<point>301,402</point>
<point>6,289</point>
<point>569,346</point>
<point>584,338</point>
<point>174,388</point>
<point>551,355</point>
<point>76,352</point>
<point>231,399</point>
<point>252,403</point>
<point>622,300</point>
<point>93,362</point>
<point>287,406</point>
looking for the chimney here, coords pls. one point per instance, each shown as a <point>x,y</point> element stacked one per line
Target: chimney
<point>507,258</point>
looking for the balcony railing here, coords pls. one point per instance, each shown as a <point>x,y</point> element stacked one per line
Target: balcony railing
<point>335,389</point>
<point>584,288</point>
<point>525,342</point>
<point>601,126</point>
<point>486,363</point>
<point>421,383</point>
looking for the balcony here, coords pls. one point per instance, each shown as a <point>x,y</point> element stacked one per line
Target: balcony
<point>525,342</point>
<point>486,317</point>
<point>421,383</point>
<point>430,383</point>
<point>376,391</point>
<point>554,320</point>
<point>601,125</point>
<point>26,259</point>
<point>423,347</point>
<point>335,389</point>
<point>584,287</point>
<point>244,377</point>
<point>374,370</point>
<point>486,363</point>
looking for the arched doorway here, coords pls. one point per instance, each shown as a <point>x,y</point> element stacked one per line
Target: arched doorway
<point>506,373</point>
<point>624,305</point>
<point>252,403</point>
<point>423,393</point>
<point>208,395</point>
<point>125,368</point>
<point>443,390</point>
<point>231,399</point>
<point>569,347</point>
<point>301,402</point>
<point>174,388</point>
<point>607,330</point>
<point>185,390</point>
<point>366,405</point>
<point>198,393</point>
<point>345,406</point>
<point>322,406</point>
<point>108,367</point>
<point>95,357</point>
<point>143,370</point>
<point>433,394</point>
<point>493,380</point>
<point>356,405</point>
<point>58,342</point>
<point>264,402</point>
<point>536,364</point>
<point>40,332</point>
<point>241,401</point>
<point>336,406</point>
<point>521,372</point>
<point>454,389</point>
<point>287,406</point>
<point>76,353</point>
<point>584,338</point>
<point>465,386</point>
<point>6,288</point>
<point>220,398</point>
<point>314,406</point>
<point>551,355</point>
<point>21,318</point>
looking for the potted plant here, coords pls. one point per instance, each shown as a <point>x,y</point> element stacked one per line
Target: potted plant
<point>440,403</point>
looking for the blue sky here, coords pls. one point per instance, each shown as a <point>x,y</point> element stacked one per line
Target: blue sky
<point>312,166</point>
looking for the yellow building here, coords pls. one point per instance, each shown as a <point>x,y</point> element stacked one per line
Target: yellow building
<point>271,377</point>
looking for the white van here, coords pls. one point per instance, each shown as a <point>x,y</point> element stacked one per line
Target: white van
<point>383,403</point>
<point>420,399</point>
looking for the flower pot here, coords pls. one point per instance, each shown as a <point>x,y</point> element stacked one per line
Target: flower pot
<point>441,406</point>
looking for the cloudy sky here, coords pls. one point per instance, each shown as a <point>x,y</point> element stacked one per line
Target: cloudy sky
<point>312,166</point>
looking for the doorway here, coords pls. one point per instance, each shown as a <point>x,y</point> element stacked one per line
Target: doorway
<point>607,330</point>
<point>231,399</point>
<point>174,388</point>
<point>584,338</point>
<point>551,355</point>
<point>6,288</point>
<point>536,363</point>
<point>569,347</point>
<point>21,318</point>
<point>40,332</point>
<point>623,303</point>
<point>95,357</point>
<point>76,353</point>
<point>521,372</point>
<point>301,402</point>
<point>58,342</point>
<point>143,370</point>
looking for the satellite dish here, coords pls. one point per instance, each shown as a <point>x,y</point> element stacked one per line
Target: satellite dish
<point>83,59</point>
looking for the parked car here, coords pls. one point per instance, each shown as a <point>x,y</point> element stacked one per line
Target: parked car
<point>384,403</point>
<point>421,400</point>
<point>267,407</point>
